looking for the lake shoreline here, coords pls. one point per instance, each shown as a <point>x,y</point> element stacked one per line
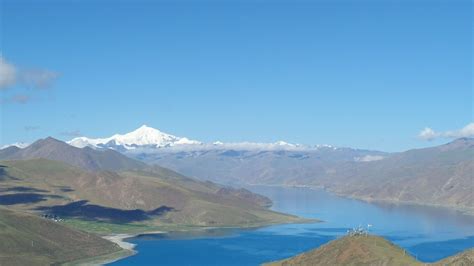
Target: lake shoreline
<point>129,248</point>
<point>339,214</point>
<point>463,210</point>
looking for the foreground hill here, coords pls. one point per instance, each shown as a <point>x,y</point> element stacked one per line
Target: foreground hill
<point>353,250</point>
<point>366,250</point>
<point>462,259</point>
<point>161,197</point>
<point>29,240</point>
<point>86,158</point>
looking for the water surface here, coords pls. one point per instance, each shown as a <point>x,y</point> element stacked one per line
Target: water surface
<point>429,233</point>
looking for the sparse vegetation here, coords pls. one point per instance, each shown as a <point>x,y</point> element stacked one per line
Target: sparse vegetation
<point>30,240</point>
<point>366,250</point>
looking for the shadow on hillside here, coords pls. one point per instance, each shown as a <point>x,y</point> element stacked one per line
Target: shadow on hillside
<point>21,189</point>
<point>65,188</point>
<point>21,198</point>
<point>4,175</point>
<point>82,210</point>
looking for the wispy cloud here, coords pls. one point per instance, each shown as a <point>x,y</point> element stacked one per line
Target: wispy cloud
<point>430,134</point>
<point>7,74</point>
<point>31,128</point>
<point>12,76</point>
<point>19,98</point>
<point>73,133</point>
<point>369,158</point>
<point>37,78</point>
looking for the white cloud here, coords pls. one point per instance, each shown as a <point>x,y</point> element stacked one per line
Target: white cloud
<point>369,158</point>
<point>37,78</point>
<point>8,74</point>
<point>428,134</point>
<point>73,133</point>
<point>465,132</point>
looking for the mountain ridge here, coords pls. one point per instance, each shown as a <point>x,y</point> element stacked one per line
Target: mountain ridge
<point>85,158</point>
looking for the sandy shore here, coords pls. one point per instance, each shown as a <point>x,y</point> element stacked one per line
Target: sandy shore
<point>128,248</point>
<point>119,239</point>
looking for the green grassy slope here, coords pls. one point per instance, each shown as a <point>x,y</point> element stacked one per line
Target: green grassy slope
<point>27,239</point>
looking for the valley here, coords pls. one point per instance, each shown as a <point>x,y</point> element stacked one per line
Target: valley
<point>439,176</point>
<point>105,192</point>
<point>124,188</point>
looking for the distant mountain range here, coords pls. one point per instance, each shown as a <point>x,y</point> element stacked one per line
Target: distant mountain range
<point>228,163</point>
<point>441,175</point>
<point>147,139</point>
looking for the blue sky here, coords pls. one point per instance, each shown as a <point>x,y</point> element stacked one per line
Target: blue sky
<point>367,74</point>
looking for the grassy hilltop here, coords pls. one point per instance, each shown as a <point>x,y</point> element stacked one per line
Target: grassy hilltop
<point>366,250</point>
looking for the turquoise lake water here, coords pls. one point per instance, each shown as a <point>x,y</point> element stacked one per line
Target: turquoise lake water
<point>428,233</point>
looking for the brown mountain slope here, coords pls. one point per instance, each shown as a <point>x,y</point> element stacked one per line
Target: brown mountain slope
<point>465,258</point>
<point>85,158</point>
<point>366,250</point>
<point>29,240</point>
<point>155,198</point>
<point>442,175</point>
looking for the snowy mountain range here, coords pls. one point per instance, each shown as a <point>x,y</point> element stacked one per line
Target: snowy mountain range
<point>146,138</point>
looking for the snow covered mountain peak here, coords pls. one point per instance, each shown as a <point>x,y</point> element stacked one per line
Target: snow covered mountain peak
<point>147,139</point>
<point>142,136</point>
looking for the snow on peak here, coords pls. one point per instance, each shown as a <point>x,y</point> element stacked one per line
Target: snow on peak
<point>146,138</point>
<point>20,145</point>
<point>142,136</point>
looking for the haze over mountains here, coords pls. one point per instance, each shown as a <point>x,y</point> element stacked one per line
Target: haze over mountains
<point>440,175</point>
